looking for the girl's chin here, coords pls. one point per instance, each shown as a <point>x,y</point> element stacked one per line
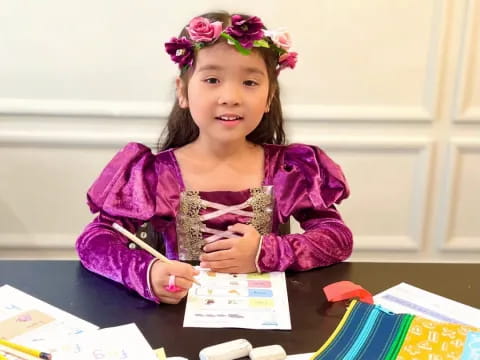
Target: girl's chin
<point>227,139</point>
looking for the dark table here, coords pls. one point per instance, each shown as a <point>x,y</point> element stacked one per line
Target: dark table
<point>67,285</point>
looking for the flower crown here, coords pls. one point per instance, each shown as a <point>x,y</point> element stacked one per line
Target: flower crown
<point>244,34</point>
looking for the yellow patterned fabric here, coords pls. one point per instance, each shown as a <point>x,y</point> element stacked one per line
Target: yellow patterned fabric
<point>430,340</point>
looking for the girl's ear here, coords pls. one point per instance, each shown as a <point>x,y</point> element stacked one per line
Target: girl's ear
<point>181,93</point>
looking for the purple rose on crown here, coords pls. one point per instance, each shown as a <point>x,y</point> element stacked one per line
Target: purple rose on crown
<point>180,51</point>
<point>246,31</point>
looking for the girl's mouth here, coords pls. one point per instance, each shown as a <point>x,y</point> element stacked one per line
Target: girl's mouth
<point>229,118</point>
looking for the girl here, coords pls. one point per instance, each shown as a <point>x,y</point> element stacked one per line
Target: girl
<point>223,181</point>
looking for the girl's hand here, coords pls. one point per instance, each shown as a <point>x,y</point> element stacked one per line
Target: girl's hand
<point>160,274</point>
<point>235,255</point>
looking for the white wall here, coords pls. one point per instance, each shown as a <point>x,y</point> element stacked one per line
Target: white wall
<point>389,88</point>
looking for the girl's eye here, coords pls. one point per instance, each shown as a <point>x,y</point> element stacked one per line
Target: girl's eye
<point>250,83</point>
<point>211,80</point>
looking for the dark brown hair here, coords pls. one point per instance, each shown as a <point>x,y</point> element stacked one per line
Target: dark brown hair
<point>181,129</point>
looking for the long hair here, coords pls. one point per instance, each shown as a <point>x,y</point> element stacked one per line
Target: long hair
<point>181,129</point>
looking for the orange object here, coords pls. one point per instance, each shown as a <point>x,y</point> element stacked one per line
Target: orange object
<point>343,290</point>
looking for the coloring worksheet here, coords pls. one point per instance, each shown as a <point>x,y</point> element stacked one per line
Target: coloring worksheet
<point>29,321</point>
<point>117,343</point>
<point>250,301</point>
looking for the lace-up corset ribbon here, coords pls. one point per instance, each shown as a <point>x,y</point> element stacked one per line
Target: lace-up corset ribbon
<point>204,217</point>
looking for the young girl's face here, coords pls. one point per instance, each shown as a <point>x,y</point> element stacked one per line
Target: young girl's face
<point>227,93</point>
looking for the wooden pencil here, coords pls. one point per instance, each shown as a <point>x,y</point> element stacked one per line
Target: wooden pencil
<point>144,245</point>
<point>26,350</point>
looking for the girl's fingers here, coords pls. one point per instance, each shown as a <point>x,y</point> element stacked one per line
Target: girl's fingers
<point>229,270</point>
<point>240,228</point>
<point>219,245</point>
<point>160,277</point>
<point>217,256</point>
<point>182,282</point>
<point>221,265</point>
<point>172,297</point>
<point>181,269</point>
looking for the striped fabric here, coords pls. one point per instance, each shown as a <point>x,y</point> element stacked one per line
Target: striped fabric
<point>372,333</point>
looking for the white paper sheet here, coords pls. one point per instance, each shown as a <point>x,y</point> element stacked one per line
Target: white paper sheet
<point>405,298</point>
<point>116,343</point>
<point>44,327</point>
<point>29,321</point>
<point>250,301</point>
<point>305,356</point>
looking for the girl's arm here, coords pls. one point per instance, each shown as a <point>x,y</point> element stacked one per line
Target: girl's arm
<point>129,191</point>
<point>326,240</point>
<point>307,185</point>
<point>105,251</point>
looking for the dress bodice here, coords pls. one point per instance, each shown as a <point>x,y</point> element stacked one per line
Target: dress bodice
<point>204,217</point>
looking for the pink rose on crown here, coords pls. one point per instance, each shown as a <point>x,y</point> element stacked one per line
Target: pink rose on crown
<point>287,60</point>
<point>280,38</point>
<point>201,29</point>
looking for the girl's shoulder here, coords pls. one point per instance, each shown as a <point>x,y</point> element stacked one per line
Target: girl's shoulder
<point>308,166</point>
<point>298,154</point>
<point>127,186</point>
<point>134,150</point>
<point>140,157</point>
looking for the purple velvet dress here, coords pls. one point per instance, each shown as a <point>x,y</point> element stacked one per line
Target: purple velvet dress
<point>138,186</point>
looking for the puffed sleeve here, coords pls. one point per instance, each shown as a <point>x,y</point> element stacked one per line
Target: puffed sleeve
<point>307,184</point>
<point>125,193</point>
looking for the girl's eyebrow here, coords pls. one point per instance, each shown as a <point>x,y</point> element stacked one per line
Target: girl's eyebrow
<point>254,70</point>
<point>210,67</point>
<point>246,69</point>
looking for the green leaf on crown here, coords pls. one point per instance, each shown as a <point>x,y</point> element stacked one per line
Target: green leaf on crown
<point>261,43</point>
<point>235,43</point>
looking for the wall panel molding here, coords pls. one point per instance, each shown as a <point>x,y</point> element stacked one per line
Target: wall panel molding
<point>422,146</point>
<point>446,241</point>
<point>464,110</point>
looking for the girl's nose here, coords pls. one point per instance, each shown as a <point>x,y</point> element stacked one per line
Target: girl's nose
<point>229,95</point>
